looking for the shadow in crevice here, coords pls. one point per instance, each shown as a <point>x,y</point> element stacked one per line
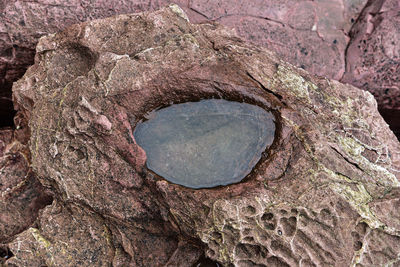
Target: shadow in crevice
<point>206,262</point>
<point>392,117</point>
<point>7,112</point>
<point>5,254</point>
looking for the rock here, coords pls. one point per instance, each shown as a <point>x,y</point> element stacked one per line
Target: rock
<point>6,136</point>
<point>58,238</point>
<point>373,56</point>
<point>308,34</point>
<point>321,195</point>
<point>313,35</point>
<point>21,194</point>
<point>302,33</point>
<point>23,23</point>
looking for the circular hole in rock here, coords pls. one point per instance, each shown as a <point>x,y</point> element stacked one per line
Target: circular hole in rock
<point>267,216</point>
<point>205,144</point>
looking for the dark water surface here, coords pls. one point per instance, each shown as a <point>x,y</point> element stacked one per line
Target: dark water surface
<point>207,143</point>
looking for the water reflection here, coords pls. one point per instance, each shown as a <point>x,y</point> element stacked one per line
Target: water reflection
<point>207,143</point>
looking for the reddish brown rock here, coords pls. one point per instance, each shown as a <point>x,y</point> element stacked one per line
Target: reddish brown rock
<point>23,23</point>
<point>373,61</point>
<point>373,56</point>
<point>59,232</point>
<point>309,34</point>
<point>21,194</point>
<point>6,136</point>
<point>314,198</point>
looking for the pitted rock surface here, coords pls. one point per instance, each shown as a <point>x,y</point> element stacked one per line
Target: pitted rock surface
<point>325,194</point>
<point>374,53</point>
<point>373,57</point>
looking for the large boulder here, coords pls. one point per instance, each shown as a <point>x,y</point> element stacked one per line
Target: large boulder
<point>268,23</point>
<point>309,34</point>
<point>325,193</point>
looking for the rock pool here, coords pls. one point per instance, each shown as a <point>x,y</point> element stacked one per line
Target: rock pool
<point>207,143</point>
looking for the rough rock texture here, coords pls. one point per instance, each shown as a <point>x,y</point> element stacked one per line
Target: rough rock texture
<point>21,194</point>
<point>325,194</point>
<point>280,25</point>
<point>6,136</point>
<point>309,34</point>
<point>65,232</point>
<point>373,56</point>
<point>320,36</point>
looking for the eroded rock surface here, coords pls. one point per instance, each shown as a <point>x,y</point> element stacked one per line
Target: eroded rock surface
<point>320,196</point>
<point>309,34</point>
<point>21,194</point>
<point>320,36</point>
<point>373,55</point>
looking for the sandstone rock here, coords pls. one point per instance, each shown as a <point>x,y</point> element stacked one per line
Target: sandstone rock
<point>373,56</point>
<point>59,233</point>
<point>6,136</point>
<point>309,34</point>
<point>21,194</point>
<point>23,23</point>
<point>320,196</point>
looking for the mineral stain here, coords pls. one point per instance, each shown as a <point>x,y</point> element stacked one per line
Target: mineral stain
<point>207,143</point>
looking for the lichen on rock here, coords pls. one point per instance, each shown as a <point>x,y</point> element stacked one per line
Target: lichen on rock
<point>316,197</point>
